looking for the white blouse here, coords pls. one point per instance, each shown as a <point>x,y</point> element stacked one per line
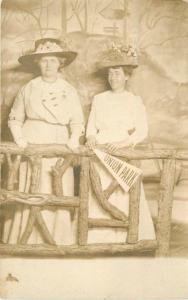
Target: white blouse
<point>54,103</point>
<point>115,116</point>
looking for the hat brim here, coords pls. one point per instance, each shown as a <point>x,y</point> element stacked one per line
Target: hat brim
<point>103,67</point>
<point>29,59</point>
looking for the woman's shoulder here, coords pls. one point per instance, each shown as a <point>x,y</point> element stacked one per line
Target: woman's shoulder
<point>101,97</point>
<point>27,86</point>
<point>32,82</point>
<point>134,99</point>
<point>64,84</point>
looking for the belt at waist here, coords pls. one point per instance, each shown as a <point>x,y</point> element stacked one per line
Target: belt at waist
<point>45,122</point>
<point>42,132</point>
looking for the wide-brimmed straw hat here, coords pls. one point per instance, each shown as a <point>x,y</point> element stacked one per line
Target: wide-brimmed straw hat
<point>48,46</point>
<point>117,54</point>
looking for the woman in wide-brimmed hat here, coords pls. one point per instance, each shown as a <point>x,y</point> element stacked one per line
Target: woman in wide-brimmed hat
<point>47,110</point>
<point>117,119</point>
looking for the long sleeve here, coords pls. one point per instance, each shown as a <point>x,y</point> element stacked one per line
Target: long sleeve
<point>17,116</point>
<point>140,122</point>
<point>77,119</point>
<point>91,125</point>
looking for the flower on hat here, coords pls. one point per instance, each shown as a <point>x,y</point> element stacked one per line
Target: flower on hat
<point>117,53</point>
<point>48,47</point>
<point>119,50</point>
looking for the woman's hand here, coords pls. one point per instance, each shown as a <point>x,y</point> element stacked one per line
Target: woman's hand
<point>21,142</point>
<point>91,142</point>
<point>16,131</point>
<point>73,143</point>
<point>118,145</point>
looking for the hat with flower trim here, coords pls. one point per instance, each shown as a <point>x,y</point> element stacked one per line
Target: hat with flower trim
<point>51,47</point>
<point>117,54</point>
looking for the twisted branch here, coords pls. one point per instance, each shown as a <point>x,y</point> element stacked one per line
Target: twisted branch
<point>13,166</point>
<point>84,197</point>
<point>111,188</point>
<point>8,197</point>
<point>1,158</point>
<point>97,187</point>
<point>57,172</point>
<point>35,214</point>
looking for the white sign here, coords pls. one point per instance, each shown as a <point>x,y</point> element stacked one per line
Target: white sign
<point>125,174</point>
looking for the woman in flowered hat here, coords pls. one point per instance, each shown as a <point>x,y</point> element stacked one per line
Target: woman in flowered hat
<point>117,119</point>
<point>47,110</point>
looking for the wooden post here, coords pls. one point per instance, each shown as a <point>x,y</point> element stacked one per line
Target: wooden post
<point>84,198</point>
<point>75,250</point>
<point>38,199</point>
<point>134,201</point>
<point>55,150</point>
<point>1,211</point>
<point>95,222</point>
<point>34,187</point>
<point>57,173</point>
<point>13,167</point>
<point>114,211</point>
<point>1,158</point>
<point>35,214</point>
<point>165,207</point>
<point>1,162</point>
<point>36,174</point>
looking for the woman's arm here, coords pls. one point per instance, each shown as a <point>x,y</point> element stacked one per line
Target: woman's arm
<point>140,122</point>
<point>91,130</point>
<point>140,128</point>
<point>76,122</point>
<point>16,119</point>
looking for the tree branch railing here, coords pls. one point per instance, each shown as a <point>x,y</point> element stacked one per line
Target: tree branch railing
<point>36,201</point>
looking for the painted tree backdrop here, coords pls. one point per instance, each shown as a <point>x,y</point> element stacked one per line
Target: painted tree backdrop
<point>159,29</point>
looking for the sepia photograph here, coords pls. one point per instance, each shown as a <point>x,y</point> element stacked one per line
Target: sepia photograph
<point>94,149</point>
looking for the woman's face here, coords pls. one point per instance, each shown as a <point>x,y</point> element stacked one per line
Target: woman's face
<point>117,78</point>
<point>49,66</point>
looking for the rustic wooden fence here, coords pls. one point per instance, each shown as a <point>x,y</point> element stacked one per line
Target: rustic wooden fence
<point>11,155</point>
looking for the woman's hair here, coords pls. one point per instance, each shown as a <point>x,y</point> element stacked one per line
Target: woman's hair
<point>61,60</point>
<point>127,70</point>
